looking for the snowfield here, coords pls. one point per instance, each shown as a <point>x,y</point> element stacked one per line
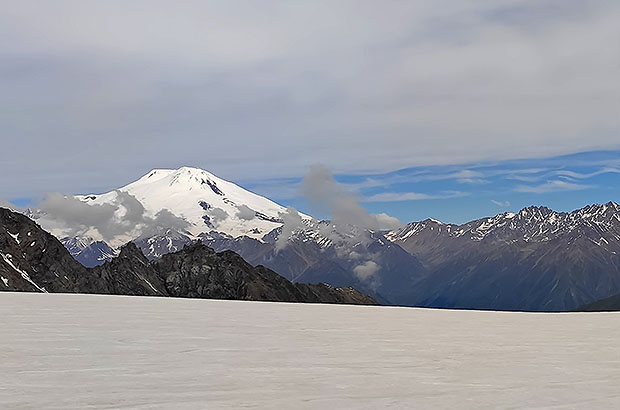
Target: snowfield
<point>113,352</point>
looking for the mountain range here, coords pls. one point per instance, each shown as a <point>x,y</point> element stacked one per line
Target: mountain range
<point>535,260</point>
<point>33,260</point>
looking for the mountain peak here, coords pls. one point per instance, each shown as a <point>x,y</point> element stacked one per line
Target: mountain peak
<point>130,249</point>
<point>534,209</point>
<point>204,200</point>
<point>183,174</point>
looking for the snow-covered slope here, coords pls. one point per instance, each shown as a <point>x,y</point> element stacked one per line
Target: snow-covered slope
<point>85,352</point>
<point>204,200</point>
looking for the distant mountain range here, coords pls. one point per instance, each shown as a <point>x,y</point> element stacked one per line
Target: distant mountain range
<point>33,260</point>
<point>536,259</point>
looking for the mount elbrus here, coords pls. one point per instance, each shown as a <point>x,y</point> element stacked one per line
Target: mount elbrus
<point>537,259</point>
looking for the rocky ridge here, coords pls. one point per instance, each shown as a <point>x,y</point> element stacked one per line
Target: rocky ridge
<point>35,261</point>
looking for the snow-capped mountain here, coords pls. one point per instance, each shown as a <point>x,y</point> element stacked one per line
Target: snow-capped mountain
<point>205,201</point>
<point>88,251</point>
<point>536,259</point>
<point>532,224</point>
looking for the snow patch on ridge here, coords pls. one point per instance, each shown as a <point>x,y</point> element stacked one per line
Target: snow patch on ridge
<point>8,259</point>
<point>15,237</point>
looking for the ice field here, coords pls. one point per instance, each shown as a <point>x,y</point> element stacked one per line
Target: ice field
<point>111,352</point>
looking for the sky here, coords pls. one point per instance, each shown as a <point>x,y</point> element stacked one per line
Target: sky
<point>430,108</point>
<point>464,192</point>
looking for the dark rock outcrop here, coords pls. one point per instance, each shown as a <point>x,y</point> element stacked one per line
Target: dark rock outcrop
<point>610,304</point>
<point>199,271</point>
<point>130,274</point>
<point>33,260</point>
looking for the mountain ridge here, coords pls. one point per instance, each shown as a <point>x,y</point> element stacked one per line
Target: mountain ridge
<point>42,264</point>
<point>537,259</point>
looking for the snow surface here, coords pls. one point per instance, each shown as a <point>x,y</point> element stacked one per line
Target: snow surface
<point>87,351</point>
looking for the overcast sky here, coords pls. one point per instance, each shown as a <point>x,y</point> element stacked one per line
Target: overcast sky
<point>93,94</point>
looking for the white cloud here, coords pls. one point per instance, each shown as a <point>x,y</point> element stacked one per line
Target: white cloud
<point>245,213</point>
<point>291,222</point>
<point>397,196</point>
<point>524,178</point>
<point>469,177</point>
<point>411,196</point>
<point>116,222</point>
<point>366,270</point>
<point>577,175</point>
<point>325,193</point>
<point>552,186</point>
<point>500,203</point>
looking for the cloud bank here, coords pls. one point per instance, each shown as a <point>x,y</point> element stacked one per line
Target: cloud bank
<point>361,87</point>
<point>124,219</point>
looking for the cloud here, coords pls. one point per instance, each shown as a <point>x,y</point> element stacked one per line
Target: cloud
<point>411,196</point>
<point>291,222</point>
<point>500,203</point>
<point>366,270</point>
<point>217,215</point>
<point>524,178</point>
<point>245,213</point>
<point>9,205</point>
<point>324,193</point>
<point>397,196</point>
<point>386,221</point>
<point>577,175</point>
<point>469,177</point>
<point>124,216</point>
<point>162,221</point>
<point>349,225</point>
<point>472,181</point>
<point>465,176</point>
<point>552,186</point>
<point>362,88</point>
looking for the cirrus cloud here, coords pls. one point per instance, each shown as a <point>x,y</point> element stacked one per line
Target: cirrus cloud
<point>552,186</point>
